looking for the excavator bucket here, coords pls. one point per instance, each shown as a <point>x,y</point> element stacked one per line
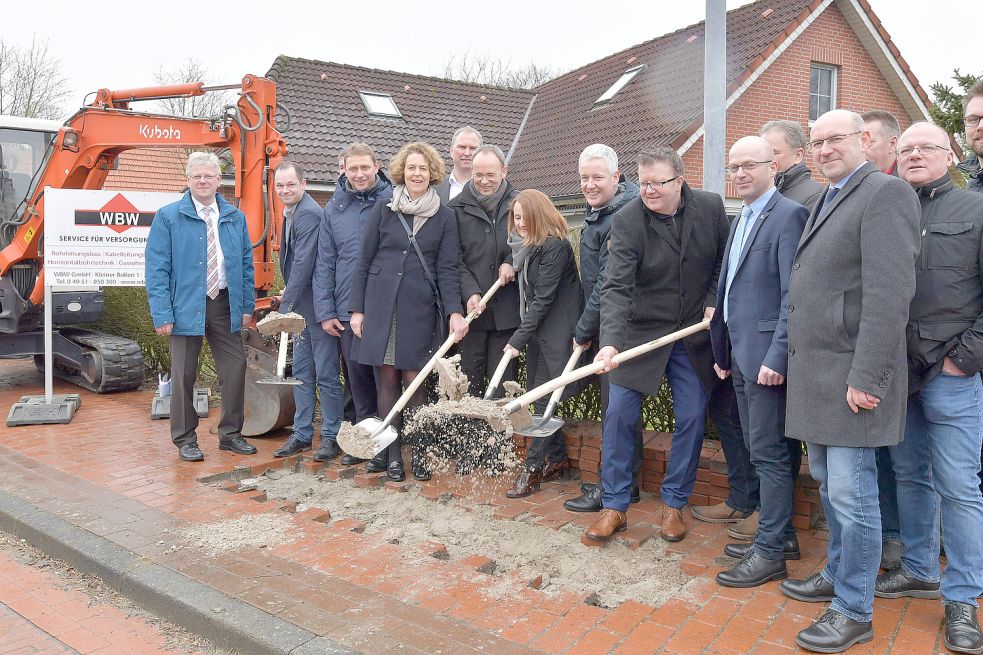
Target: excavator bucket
<point>268,407</point>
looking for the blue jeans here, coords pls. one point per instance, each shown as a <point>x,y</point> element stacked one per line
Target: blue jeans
<point>742,480</point>
<point>938,459</point>
<point>316,358</point>
<point>887,495</point>
<point>689,404</point>
<point>848,488</point>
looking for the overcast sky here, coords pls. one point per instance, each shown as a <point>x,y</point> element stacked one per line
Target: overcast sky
<point>121,44</point>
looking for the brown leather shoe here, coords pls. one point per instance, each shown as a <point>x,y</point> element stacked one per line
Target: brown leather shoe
<point>553,470</point>
<point>527,482</point>
<point>608,522</point>
<point>746,529</point>
<point>719,513</point>
<point>673,528</point>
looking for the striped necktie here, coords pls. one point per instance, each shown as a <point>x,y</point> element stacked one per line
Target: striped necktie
<point>211,286</point>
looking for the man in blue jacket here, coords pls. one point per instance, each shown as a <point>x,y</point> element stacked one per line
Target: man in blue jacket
<point>339,242</point>
<point>750,341</point>
<point>315,360</point>
<point>199,269</point>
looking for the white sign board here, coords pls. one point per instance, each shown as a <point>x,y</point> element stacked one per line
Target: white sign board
<point>97,238</point>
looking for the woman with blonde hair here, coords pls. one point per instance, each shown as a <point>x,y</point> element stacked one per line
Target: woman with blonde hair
<point>406,288</point>
<point>550,303</point>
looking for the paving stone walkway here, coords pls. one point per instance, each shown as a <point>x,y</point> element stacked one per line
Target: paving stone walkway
<point>114,473</point>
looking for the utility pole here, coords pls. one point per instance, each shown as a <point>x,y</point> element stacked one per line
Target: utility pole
<point>715,96</point>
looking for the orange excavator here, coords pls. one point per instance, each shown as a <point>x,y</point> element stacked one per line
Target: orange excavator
<point>79,154</point>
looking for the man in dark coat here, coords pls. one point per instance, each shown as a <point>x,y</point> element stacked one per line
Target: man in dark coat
<point>852,281</point>
<point>315,355</point>
<point>750,343</point>
<point>936,464</point>
<point>338,245</point>
<point>464,144</point>
<point>793,179</point>
<point>482,210</point>
<point>661,275</point>
<point>606,190</point>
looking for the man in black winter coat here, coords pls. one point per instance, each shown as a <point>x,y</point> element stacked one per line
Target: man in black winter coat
<point>482,209</point>
<point>794,179</point>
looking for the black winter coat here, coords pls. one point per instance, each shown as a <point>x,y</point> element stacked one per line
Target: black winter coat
<point>553,304</point>
<point>484,248</point>
<point>652,286</point>
<point>389,279</point>
<point>797,184</point>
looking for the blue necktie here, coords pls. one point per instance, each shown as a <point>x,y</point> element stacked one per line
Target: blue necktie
<point>736,248</point>
<point>830,194</point>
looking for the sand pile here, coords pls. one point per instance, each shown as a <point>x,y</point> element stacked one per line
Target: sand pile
<point>615,573</point>
<point>262,530</point>
<point>274,323</point>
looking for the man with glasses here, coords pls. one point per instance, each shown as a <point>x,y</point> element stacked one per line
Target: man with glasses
<point>315,360</point>
<point>666,249</point>
<point>199,268</point>
<point>750,343</point>
<point>937,464</point>
<point>853,278</point>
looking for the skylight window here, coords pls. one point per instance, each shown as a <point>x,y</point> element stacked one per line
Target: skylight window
<point>625,78</point>
<point>380,104</point>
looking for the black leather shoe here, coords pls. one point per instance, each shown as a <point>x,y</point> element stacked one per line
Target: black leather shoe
<point>891,552</point>
<point>636,494</point>
<point>813,589</point>
<point>291,447</point>
<point>790,549</point>
<point>896,583</point>
<point>589,501</point>
<point>834,633</point>
<point>395,472</point>
<point>753,570</point>
<point>238,445</point>
<point>587,486</point>
<point>962,629</point>
<point>378,464</point>
<point>420,471</point>
<point>190,452</point>
<point>327,451</point>
<point>350,460</point>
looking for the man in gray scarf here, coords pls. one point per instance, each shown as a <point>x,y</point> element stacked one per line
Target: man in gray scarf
<point>482,210</point>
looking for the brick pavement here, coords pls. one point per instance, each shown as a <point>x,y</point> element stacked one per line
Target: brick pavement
<point>114,473</point>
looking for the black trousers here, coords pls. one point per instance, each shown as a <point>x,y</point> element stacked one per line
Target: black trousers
<point>481,351</point>
<point>230,363</point>
<point>359,378</point>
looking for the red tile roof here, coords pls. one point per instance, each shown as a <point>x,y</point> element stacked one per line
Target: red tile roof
<point>149,169</point>
<point>327,114</point>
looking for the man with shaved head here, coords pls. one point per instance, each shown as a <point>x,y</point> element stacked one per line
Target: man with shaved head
<point>852,280</point>
<point>750,342</point>
<point>938,462</point>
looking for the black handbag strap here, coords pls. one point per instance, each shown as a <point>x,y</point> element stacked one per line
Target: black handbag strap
<point>419,253</point>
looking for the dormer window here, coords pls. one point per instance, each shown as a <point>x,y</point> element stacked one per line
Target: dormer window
<point>612,91</point>
<point>380,104</point>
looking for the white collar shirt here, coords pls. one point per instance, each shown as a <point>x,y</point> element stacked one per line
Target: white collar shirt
<point>222,277</point>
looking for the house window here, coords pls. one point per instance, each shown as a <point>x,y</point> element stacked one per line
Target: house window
<point>822,90</point>
<point>625,78</point>
<point>380,104</point>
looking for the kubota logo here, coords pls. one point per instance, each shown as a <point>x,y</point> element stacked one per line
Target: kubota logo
<point>157,132</point>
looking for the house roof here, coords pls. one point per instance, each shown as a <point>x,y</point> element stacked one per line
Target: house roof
<point>327,113</point>
<point>663,104</point>
<point>149,169</point>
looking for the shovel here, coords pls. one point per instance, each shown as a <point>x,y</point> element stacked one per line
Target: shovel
<point>547,425</point>
<point>281,365</point>
<point>521,402</point>
<point>496,379</point>
<point>381,433</point>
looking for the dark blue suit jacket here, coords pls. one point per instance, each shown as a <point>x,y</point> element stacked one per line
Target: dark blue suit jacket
<point>756,332</point>
<point>297,257</point>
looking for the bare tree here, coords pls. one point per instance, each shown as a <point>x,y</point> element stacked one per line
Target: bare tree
<point>205,106</point>
<point>494,71</point>
<point>31,82</point>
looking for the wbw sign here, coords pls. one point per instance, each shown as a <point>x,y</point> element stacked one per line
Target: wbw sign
<point>97,238</point>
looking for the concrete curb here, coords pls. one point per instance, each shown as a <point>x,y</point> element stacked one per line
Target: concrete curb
<point>227,622</point>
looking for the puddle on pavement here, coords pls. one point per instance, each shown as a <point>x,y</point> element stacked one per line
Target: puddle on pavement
<point>611,574</point>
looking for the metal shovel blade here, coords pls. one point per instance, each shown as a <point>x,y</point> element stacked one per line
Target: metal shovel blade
<point>379,438</point>
<point>539,428</point>
<point>292,382</point>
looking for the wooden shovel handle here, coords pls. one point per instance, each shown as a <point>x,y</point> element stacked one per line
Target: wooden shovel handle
<point>499,372</point>
<point>555,398</point>
<point>598,367</point>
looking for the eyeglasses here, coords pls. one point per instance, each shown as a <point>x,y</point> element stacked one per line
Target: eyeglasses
<point>748,167</point>
<point>834,140</point>
<point>656,186</point>
<point>971,121</point>
<point>928,149</point>
<point>198,178</point>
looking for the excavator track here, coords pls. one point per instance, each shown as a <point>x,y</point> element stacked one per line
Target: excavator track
<point>116,362</point>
